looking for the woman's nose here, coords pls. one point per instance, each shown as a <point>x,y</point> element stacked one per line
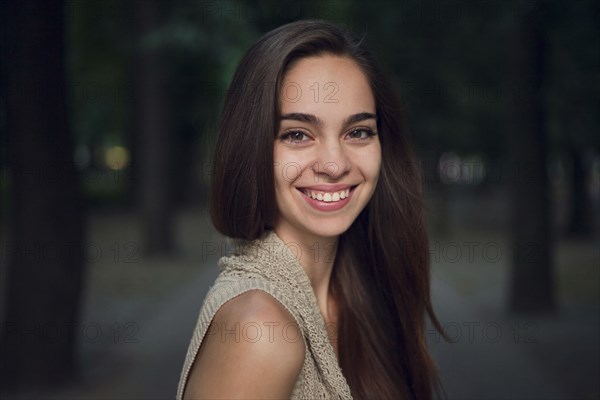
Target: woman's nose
<point>332,160</point>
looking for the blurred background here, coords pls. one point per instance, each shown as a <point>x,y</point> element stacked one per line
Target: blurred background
<point>107,120</point>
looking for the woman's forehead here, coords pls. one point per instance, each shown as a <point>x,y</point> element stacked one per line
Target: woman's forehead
<point>324,86</point>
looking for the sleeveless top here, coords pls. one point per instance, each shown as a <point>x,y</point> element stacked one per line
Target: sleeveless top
<point>271,265</point>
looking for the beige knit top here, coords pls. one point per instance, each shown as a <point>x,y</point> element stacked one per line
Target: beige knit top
<point>270,265</point>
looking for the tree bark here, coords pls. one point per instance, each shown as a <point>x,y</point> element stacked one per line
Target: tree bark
<point>532,283</point>
<point>45,246</point>
<point>154,142</point>
<point>580,205</point>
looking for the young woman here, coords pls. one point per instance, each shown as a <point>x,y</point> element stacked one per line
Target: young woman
<point>327,292</point>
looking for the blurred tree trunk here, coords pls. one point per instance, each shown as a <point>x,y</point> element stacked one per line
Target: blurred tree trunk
<point>580,205</point>
<point>438,194</point>
<point>532,283</point>
<point>132,124</point>
<point>153,136</point>
<point>580,210</point>
<point>45,257</point>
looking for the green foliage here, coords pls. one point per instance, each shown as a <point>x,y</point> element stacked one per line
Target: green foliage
<point>450,62</point>
<point>574,73</point>
<point>98,87</point>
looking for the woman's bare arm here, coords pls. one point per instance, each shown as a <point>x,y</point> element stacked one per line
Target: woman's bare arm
<point>253,349</point>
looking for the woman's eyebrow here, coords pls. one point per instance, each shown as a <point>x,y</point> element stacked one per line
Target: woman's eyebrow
<point>314,120</point>
<point>302,117</point>
<point>359,117</point>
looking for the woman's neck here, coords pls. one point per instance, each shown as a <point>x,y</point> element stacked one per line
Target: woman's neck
<point>316,256</point>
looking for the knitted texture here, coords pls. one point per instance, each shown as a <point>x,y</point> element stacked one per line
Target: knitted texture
<point>270,265</point>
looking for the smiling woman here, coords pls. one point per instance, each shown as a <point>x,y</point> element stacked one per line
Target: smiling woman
<point>327,294</point>
<point>334,147</point>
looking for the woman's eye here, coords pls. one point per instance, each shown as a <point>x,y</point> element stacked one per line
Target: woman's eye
<point>294,136</point>
<point>361,133</point>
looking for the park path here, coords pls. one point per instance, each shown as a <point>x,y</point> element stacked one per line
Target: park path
<point>492,355</point>
<point>150,368</point>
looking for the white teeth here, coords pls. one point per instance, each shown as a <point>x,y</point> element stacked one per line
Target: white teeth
<point>328,197</point>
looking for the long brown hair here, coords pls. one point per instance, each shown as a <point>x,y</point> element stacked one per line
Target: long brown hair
<point>381,274</point>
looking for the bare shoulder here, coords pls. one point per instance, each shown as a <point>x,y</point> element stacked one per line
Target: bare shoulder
<point>252,349</point>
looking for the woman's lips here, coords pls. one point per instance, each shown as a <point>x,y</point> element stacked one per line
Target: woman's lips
<point>327,200</point>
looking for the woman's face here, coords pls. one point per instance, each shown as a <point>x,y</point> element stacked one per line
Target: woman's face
<point>327,152</point>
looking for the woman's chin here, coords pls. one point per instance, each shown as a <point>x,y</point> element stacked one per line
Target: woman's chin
<point>329,230</point>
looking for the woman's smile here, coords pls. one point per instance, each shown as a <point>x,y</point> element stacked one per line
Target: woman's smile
<point>327,197</point>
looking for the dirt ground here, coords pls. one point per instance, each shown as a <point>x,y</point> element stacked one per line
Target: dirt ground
<point>140,311</point>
